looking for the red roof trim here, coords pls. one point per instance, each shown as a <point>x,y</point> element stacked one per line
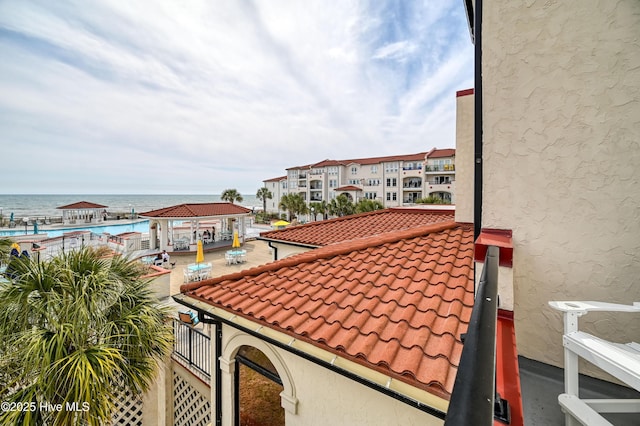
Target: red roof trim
<point>82,205</point>
<point>348,188</point>
<point>495,237</point>
<point>464,92</point>
<point>507,370</point>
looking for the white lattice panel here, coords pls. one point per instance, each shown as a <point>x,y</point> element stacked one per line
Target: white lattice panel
<point>128,410</point>
<point>190,407</point>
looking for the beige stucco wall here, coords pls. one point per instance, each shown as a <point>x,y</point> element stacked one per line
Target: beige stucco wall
<point>283,250</point>
<point>464,158</point>
<point>326,398</point>
<point>562,159</point>
<point>314,395</point>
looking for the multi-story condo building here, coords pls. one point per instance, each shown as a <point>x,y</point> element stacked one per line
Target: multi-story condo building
<point>398,180</point>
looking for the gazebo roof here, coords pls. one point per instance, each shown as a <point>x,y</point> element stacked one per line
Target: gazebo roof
<point>81,205</point>
<point>197,210</point>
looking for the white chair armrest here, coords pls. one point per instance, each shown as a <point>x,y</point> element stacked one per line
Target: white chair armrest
<point>583,307</point>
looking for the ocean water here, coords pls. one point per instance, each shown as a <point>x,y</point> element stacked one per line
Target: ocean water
<point>41,206</point>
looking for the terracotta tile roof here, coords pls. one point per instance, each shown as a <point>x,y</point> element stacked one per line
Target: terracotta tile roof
<point>396,303</point>
<point>81,205</point>
<point>375,160</point>
<point>348,188</point>
<point>197,210</point>
<point>357,226</point>
<point>439,153</point>
<point>364,161</point>
<point>276,179</point>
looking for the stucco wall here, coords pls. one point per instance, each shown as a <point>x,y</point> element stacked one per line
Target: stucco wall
<point>326,398</point>
<point>285,250</point>
<point>314,395</point>
<point>562,159</point>
<point>464,157</point>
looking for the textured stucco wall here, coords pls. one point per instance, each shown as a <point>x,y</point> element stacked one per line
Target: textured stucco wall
<point>314,395</point>
<point>327,398</point>
<point>562,159</point>
<point>464,158</point>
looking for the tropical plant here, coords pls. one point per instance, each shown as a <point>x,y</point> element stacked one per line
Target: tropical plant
<point>231,195</point>
<point>75,331</point>
<point>5,249</point>
<point>366,205</point>
<point>294,204</point>
<point>341,206</point>
<point>263,194</point>
<point>315,209</point>
<point>432,199</point>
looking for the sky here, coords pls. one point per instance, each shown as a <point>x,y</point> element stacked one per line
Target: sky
<point>194,97</point>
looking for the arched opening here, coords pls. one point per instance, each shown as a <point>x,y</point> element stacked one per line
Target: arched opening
<point>258,390</point>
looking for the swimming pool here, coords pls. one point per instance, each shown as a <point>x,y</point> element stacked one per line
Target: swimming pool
<point>142,227</point>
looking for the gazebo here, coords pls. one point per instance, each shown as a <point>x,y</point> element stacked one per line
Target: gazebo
<point>82,212</point>
<point>180,227</point>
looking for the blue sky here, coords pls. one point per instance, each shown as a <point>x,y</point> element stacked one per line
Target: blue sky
<point>199,96</point>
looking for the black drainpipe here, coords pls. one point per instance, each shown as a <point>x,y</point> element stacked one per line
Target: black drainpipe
<point>477,196</point>
<point>216,368</point>
<point>275,250</point>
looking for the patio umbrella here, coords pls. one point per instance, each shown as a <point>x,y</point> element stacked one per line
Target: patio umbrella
<point>200,252</point>
<point>16,246</point>
<point>236,240</point>
<point>11,218</point>
<point>280,224</point>
<point>35,227</point>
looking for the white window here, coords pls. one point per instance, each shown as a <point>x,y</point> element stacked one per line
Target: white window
<point>354,170</point>
<point>390,167</point>
<point>392,182</point>
<point>374,169</point>
<point>392,196</point>
<point>333,183</point>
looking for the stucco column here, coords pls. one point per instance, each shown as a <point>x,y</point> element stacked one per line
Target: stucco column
<point>227,370</point>
<point>164,234</point>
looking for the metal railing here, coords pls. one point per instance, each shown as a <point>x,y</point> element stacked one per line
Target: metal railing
<point>474,400</point>
<point>193,347</point>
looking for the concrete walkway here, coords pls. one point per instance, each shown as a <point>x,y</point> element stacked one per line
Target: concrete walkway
<point>257,254</point>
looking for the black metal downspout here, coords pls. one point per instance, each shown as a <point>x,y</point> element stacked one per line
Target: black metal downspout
<point>216,367</point>
<point>477,196</point>
<point>275,250</point>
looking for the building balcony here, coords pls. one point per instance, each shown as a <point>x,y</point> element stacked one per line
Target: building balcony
<point>412,167</point>
<point>434,187</point>
<point>443,168</point>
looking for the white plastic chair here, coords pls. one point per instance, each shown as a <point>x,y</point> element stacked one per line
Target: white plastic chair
<point>620,360</point>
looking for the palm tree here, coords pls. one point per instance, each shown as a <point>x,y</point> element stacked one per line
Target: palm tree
<point>341,206</point>
<point>78,328</point>
<point>294,204</point>
<point>231,195</point>
<point>366,205</point>
<point>264,194</point>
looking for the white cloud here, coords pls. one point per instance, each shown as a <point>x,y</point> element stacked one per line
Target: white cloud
<point>201,96</point>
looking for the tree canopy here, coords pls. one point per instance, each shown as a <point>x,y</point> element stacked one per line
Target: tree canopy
<point>263,194</point>
<point>341,206</point>
<point>231,195</point>
<point>78,328</point>
<point>294,204</point>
